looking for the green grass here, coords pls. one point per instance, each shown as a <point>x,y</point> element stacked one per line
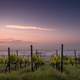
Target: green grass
<point>72,72</point>
<point>44,73</point>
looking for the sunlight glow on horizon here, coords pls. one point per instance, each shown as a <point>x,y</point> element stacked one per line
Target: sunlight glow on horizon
<point>37,34</point>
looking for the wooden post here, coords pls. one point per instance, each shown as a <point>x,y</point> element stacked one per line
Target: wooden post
<point>9,59</point>
<point>36,64</point>
<point>75,56</point>
<point>61,57</point>
<point>32,69</point>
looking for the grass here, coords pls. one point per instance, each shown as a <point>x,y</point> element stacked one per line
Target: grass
<point>44,73</point>
<point>72,72</point>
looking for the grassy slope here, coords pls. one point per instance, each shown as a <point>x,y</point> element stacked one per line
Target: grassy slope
<point>44,73</point>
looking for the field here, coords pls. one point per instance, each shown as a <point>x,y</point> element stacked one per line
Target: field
<point>35,67</point>
<point>44,73</point>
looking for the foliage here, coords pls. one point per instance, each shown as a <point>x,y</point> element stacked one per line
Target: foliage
<point>37,59</point>
<point>71,60</point>
<point>2,60</point>
<point>55,59</point>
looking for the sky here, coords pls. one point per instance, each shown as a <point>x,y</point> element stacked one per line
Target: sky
<point>40,21</point>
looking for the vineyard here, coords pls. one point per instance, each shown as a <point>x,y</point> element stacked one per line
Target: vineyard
<point>36,67</point>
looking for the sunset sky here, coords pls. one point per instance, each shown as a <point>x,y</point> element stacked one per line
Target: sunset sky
<point>41,21</point>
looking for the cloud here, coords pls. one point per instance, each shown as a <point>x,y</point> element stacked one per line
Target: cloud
<point>27,27</point>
